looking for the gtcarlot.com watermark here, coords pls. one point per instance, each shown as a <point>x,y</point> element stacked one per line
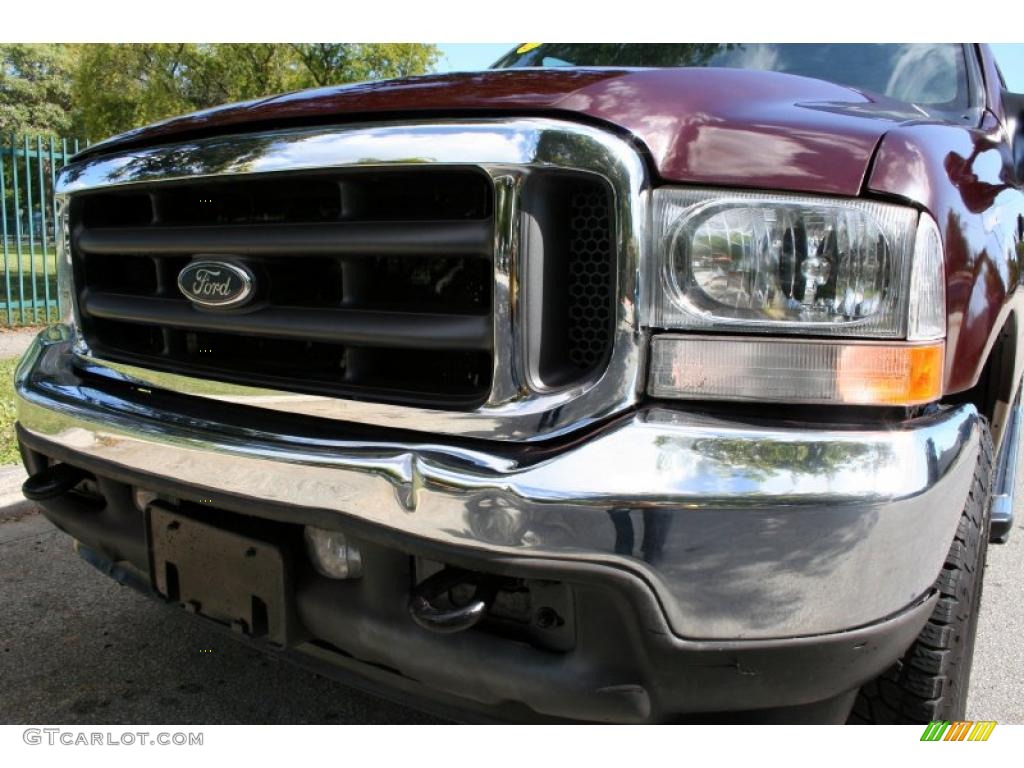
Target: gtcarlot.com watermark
<point>75,738</point>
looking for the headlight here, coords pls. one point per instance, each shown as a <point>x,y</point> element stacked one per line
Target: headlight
<point>777,264</point>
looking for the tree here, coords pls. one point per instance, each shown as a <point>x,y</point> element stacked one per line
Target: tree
<point>35,89</point>
<point>118,87</point>
<point>332,63</point>
<point>242,72</point>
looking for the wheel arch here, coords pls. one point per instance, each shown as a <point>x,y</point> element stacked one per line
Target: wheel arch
<point>1000,376</point>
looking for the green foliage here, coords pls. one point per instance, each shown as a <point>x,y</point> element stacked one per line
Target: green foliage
<point>118,87</point>
<point>94,91</point>
<point>35,88</point>
<point>8,441</point>
<point>223,73</point>
<point>330,63</point>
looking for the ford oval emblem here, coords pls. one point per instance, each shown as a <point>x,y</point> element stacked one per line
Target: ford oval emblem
<point>216,283</point>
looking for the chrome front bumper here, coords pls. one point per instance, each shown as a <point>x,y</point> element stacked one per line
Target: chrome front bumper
<point>742,529</point>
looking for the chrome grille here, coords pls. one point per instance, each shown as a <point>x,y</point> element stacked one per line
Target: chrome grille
<point>543,299</point>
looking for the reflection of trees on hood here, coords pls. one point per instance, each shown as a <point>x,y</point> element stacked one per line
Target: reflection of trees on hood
<point>230,154</point>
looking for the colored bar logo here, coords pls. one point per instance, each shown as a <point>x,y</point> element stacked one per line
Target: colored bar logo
<point>959,730</point>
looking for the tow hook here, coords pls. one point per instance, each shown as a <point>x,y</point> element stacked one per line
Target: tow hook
<point>54,481</point>
<point>449,620</point>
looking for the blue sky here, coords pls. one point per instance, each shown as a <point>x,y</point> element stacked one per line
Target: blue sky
<point>1011,61</point>
<point>463,57</point>
<point>469,56</point>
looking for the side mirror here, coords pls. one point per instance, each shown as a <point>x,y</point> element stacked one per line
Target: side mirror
<point>1013,108</point>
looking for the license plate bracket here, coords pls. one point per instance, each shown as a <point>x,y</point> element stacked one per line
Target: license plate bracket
<point>229,577</point>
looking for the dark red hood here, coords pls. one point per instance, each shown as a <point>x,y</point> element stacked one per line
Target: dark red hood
<point>702,126</point>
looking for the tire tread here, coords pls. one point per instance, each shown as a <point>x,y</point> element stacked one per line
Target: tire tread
<point>930,681</point>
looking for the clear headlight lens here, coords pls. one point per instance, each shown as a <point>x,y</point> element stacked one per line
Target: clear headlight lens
<point>781,263</point>
<point>926,310</point>
<point>767,264</point>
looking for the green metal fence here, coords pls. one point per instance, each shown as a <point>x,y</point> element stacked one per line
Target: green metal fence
<point>28,286</point>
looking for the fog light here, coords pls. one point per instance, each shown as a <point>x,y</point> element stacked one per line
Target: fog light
<point>332,554</point>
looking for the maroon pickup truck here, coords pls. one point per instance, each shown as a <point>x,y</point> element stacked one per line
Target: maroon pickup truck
<point>618,383</point>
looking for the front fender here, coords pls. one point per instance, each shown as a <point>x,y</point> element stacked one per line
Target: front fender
<point>964,178</point>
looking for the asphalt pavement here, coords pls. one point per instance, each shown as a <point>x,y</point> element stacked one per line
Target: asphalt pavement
<point>77,648</point>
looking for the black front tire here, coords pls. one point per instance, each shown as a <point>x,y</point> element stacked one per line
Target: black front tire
<point>930,681</point>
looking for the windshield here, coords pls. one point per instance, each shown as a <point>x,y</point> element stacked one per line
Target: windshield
<point>931,75</point>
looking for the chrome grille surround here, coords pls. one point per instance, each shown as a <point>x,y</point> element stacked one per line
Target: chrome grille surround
<point>518,407</point>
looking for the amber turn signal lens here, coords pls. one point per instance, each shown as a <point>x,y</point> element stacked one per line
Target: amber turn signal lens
<point>794,371</point>
<point>890,375</point>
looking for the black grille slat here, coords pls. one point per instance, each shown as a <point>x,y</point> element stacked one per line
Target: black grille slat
<point>388,330</point>
<point>448,379</point>
<point>372,284</point>
<point>395,238</point>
